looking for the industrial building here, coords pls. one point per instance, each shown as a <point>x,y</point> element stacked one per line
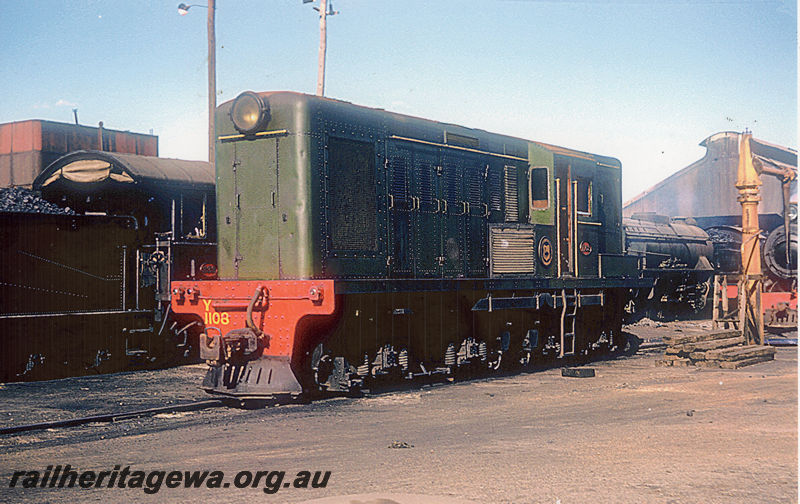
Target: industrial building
<point>706,189</point>
<point>28,147</point>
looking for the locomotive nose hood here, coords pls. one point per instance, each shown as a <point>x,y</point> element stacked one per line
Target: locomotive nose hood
<point>263,187</point>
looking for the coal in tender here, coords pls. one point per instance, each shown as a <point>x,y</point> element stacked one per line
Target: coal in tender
<point>19,199</point>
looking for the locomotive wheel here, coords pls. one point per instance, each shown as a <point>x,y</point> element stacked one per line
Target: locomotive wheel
<point>700,298</point>
<point>333,374</point>
<point>628,346</point>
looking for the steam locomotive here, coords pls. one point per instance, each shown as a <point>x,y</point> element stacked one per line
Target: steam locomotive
<point>358,245</point>
<point>778,252</point>
<point>86,290</point>
<point>678,256</point>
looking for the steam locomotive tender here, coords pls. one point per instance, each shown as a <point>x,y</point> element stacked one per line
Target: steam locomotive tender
<point>90,292</point>
<point>358,245</point>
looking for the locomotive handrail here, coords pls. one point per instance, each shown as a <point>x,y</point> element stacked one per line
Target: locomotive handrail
<point>259,292</point>
<point>456,147</point>
<point>263,134</point>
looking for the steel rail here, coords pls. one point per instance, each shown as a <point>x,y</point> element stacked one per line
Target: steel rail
<point>111,417</point>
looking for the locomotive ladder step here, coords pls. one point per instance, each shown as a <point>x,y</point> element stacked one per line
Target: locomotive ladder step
<point>568,313</point>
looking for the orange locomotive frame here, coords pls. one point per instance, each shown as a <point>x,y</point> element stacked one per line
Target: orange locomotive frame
<point>275,307</point>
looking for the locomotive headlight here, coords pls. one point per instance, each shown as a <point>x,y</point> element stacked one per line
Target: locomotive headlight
<point>249,113</point>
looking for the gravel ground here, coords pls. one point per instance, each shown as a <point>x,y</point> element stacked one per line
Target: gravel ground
<point>47,401</point>
<point>634,433</point>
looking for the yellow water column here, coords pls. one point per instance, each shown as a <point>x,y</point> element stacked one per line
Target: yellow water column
<point>751,318</point>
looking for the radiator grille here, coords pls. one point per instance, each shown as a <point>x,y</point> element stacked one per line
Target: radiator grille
<point>351,195</point>
<point>426,186</point>
<point>495,188</point>
<point>510,186</point>
<point>474,184</point>
<point>399,188</point>
<point>512,251</point>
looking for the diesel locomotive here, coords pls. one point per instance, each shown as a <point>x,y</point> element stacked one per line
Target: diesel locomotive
<point>357,245</point>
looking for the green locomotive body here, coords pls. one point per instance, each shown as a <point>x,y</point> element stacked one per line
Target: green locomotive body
<point>363,244</point>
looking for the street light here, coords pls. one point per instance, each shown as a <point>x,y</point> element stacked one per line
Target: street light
<point>183,9</point>
<point>325,9</point>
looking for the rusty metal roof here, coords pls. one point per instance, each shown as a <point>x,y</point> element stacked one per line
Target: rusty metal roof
<point>98,166</point>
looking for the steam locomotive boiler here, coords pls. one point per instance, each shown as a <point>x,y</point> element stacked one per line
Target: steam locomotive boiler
<point>779,256</point>
<point>677,256</point>
<point>358,245</point>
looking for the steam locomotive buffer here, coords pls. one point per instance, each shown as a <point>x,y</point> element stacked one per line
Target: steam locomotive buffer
<point>358,245</point>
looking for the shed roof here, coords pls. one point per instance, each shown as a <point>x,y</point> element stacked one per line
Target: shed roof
<point>771,154</point>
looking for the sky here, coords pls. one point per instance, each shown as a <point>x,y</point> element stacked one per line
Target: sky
<point>644,81</point>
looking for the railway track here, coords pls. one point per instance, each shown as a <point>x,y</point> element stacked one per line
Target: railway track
<point>205,404</point>
<point>112,417</point>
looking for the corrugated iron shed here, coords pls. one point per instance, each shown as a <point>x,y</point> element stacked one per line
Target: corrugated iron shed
<point>707,187</point>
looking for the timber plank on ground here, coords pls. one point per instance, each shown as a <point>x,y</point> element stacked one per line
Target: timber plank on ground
<point>698,337</point>
<point>740,353</point>
<point>745,362</point>
<point>707,364</point>
<point>688,348</point>
<point>714,344</point>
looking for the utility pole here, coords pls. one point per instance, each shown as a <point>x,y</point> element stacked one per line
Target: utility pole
<point>325,9</point>
<point>751,318</point>
<point>183,9</point>
<point>212,84</point>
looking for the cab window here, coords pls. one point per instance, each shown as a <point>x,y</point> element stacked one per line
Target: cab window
<point>584,196</point>
<point>539,188</point>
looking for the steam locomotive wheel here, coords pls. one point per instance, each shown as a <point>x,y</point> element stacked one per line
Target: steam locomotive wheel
<point>700,298</point>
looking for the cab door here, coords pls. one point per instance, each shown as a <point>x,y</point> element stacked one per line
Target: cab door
<point>564,216</point>
<point>587,230</point>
